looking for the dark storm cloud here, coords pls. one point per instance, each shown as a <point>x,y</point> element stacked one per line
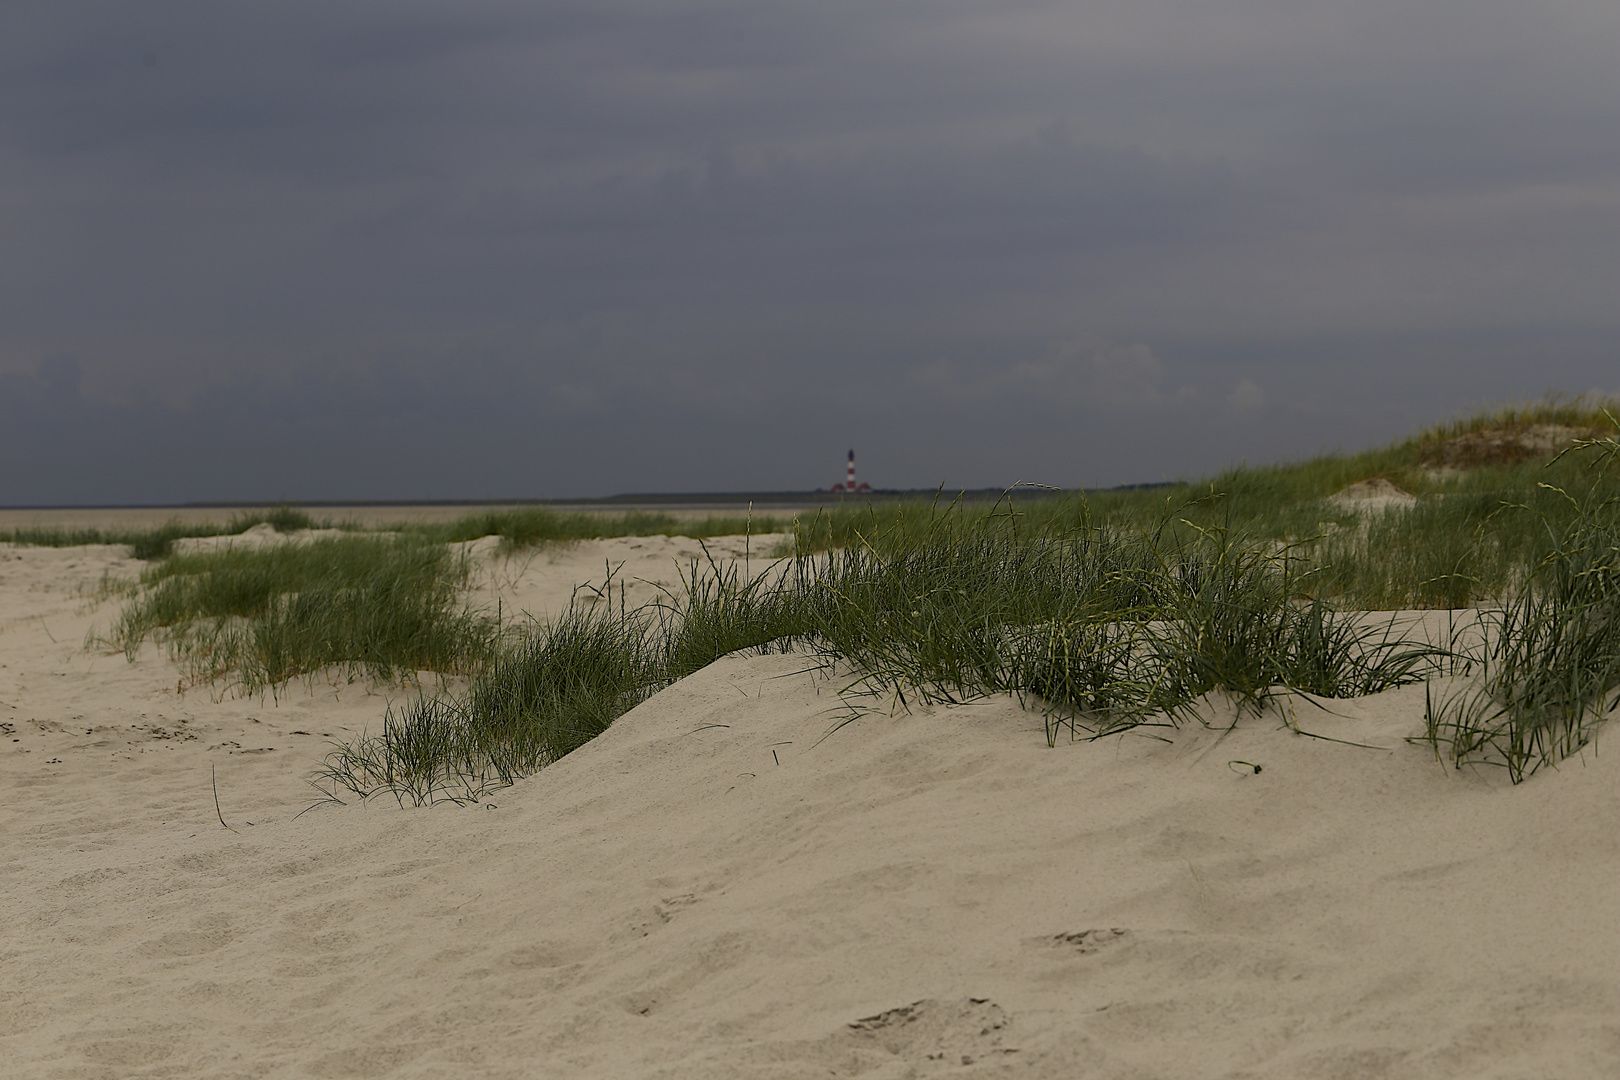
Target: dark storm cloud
<point>431,249</point>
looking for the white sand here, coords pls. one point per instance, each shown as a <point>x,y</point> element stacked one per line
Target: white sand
<point>714,889</point>
<point>1372,496</point>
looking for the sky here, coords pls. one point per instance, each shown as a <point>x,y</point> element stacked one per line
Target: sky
<point>416,249</point>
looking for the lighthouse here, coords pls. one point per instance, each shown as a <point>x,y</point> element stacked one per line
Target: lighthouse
<point>849,486</point>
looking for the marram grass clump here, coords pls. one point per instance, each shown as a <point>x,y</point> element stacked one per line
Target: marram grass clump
<point>157,542</point>
<point>1102,629</point>
<point>382,608</point>
<point>550,690</point>
<point>1548,661</point>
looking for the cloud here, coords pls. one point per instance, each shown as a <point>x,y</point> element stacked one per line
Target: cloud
<point>1246,396</point>
<point>1073,374</point>
<point>1090,375</point>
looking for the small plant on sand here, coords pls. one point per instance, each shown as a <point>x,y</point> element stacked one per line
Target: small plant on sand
<point>1548,663</point>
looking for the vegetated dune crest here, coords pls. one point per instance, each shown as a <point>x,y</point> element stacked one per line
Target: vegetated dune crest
<point>1506,443</point>
<point>723,885</point>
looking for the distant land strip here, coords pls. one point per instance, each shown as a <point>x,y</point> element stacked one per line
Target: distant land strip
<point>681,499</point>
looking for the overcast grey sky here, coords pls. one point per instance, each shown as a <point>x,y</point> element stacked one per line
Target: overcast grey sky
<point>422,249</point>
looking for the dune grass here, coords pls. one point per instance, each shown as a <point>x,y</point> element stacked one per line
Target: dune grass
<point>1472,545</point>
<point>1100,632</point>
<point>1461,544</point>
<point>551,690</point>
<point>543,698</point>
<point>1103,629</point>
<point>1105,612</point>
<point>520,527</point>
<point>157,542</point>
<point>532,526</point>
<point>1488,457</point>
<point>380,607</point>
<point>1548,661</point>
<point>1101,625</point>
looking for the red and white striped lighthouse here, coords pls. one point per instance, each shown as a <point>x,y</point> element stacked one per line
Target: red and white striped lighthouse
<point>849,487</point>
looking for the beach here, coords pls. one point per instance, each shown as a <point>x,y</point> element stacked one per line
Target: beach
<point>745,878</point>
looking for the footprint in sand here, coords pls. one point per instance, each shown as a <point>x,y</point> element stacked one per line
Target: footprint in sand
<point>959,1032</point>
<point>1084,942</point>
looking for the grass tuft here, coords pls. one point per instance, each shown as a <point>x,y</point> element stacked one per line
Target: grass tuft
<point>1549,659</point>
<point>1106,630</point>
<point>382,608</point>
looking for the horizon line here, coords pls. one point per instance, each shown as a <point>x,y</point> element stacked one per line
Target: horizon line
<point>723,497</point>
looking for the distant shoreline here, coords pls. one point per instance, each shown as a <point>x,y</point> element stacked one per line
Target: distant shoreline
<point>684,500</point>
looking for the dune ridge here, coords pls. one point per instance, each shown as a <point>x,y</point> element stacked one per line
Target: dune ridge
<point>718,887</point>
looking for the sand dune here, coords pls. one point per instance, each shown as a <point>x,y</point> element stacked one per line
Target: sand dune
<point>719,887</point>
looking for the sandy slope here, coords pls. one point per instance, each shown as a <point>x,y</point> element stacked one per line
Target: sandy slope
<point>719,888</point>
